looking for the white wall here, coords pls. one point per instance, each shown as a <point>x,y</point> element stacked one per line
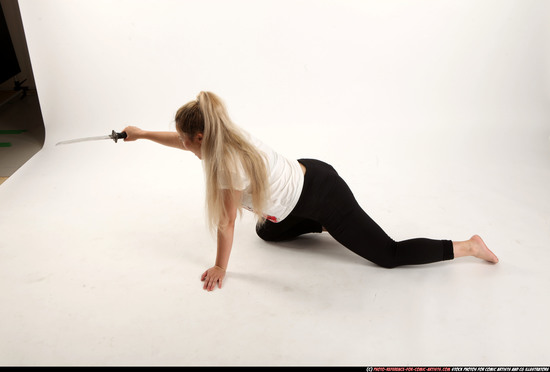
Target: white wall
<point>398,63</point>
<point>443,85</point>
<point>444,73</point>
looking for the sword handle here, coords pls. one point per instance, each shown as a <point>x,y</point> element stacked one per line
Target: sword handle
<point>116,136</point>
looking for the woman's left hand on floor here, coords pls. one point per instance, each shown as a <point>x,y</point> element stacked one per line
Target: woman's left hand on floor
<point>213,276</point>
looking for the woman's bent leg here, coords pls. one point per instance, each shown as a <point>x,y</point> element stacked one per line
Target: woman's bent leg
<point>288,229</point>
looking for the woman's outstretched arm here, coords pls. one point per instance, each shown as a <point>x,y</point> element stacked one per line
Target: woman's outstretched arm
<point>171,139</point>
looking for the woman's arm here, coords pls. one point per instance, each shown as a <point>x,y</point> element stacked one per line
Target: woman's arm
<point>171,139</point>
<point>226,229</point>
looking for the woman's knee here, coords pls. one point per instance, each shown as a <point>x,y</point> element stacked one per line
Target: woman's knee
<point>386,257</point>
<point>387,263</point>
<point>265,233</point>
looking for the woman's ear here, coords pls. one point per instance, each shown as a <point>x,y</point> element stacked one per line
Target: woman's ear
<point>198,137</point>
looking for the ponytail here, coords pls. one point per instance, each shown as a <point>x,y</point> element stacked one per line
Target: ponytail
<point>226,153</point>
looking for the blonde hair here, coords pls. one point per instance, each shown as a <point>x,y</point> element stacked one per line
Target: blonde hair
<point>226,152</point>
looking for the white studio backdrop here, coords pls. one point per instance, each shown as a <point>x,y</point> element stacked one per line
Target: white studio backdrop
<point>392,81</point>
<point>436,113</point>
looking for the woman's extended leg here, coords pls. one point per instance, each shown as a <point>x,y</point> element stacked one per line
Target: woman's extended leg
<point>358,232</point>
<point>353,228</point>
<point>348,223</point>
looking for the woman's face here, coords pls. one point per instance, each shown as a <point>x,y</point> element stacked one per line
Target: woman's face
<point>192,144</point>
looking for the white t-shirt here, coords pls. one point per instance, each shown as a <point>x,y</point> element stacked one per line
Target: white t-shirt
<point>286,181</point>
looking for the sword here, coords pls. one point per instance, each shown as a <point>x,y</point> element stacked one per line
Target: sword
<point>114,136</point>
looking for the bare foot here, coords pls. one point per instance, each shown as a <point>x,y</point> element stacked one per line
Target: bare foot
<point>480,250</point>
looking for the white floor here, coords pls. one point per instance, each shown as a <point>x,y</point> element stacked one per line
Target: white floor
<point>102,245</point>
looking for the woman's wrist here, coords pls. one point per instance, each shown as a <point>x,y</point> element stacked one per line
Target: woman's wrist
<point>142,134</point>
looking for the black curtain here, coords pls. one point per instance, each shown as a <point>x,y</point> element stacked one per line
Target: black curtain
<point>9,67</point>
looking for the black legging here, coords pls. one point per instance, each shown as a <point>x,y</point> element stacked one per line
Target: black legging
<point>327,201</point>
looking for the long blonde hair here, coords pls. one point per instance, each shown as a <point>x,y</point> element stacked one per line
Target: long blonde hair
<point>226,152</point>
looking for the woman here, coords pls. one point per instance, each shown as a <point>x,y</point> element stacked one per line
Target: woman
<point>289,197</point>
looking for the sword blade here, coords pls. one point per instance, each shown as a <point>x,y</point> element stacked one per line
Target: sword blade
<point>98,138</point>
